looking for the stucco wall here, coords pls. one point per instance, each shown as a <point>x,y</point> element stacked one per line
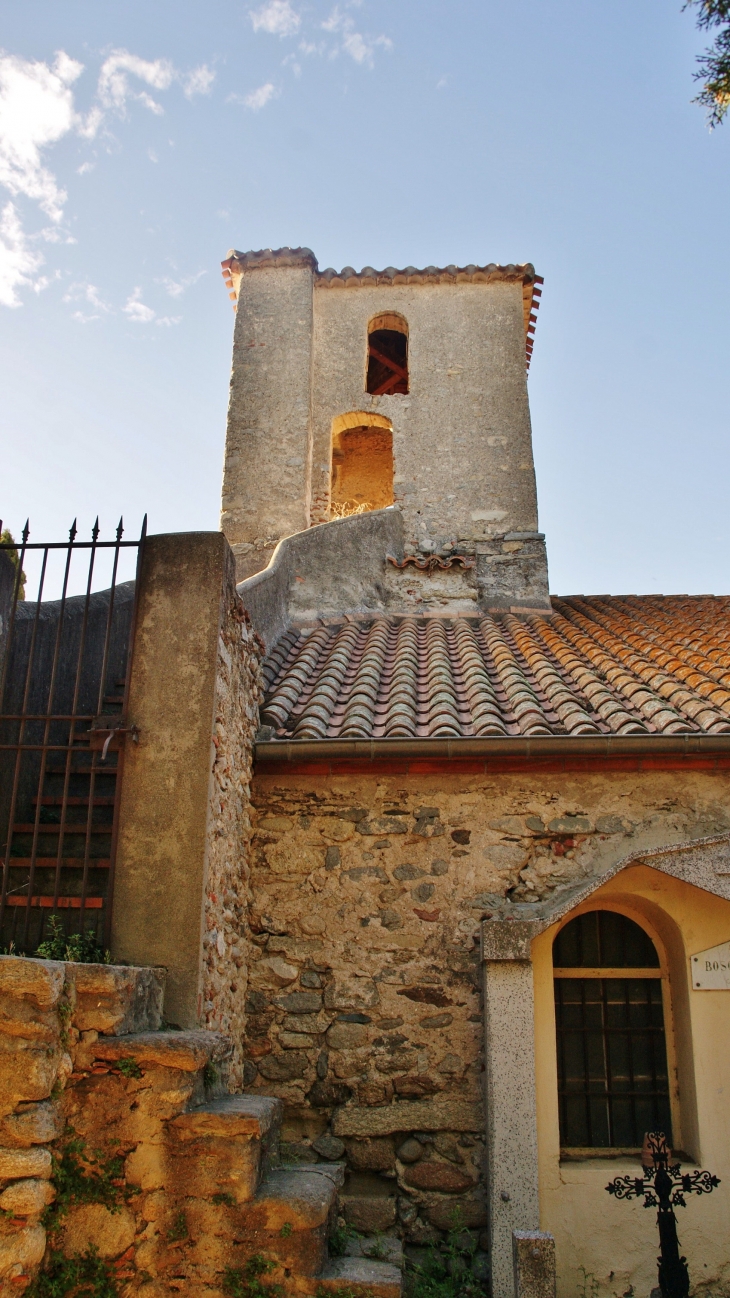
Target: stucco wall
<point>616,1242</point>
<point>266,471</point>
<point>368,891</point>
<point>462,446</point>
<point>183,823</point>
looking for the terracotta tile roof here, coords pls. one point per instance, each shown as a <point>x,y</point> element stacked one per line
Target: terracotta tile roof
<point>523,273</point>
<point>600,665</point>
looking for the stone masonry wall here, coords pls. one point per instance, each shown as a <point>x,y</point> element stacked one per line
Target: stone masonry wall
<point>225,938</point>
<point>89,1085</point>
<point>364,991</point>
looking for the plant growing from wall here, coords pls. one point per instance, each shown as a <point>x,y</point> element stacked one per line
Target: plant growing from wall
<point>447,1272</point>
<point>79,948</point>
<point>83,1276</point>
<point>246,1281</point>
<point>6,538</point>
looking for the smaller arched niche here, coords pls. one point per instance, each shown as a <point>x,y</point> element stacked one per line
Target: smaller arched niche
<point>362,464</point>
<point>387,369</point>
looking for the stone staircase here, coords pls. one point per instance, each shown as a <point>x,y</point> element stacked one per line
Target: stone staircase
<point>227,1152</point>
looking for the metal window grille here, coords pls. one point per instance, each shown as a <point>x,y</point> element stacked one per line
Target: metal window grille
<point>64,687</point>
<point>613,1081</point>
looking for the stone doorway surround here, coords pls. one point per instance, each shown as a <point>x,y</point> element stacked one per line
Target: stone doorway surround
<point>515,1192</point>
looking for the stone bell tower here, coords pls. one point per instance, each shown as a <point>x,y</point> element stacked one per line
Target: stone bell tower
<point>353,391</point>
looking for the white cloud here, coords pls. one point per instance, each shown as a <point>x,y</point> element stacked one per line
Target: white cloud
<point>114,87</point>
<point>18,262</point>
<point>276,17</point>
<point>198,82</point>
<point>257,99</point>
<point>360,48</point>
<point>36,110</point>
<point>176,287</point>
<point>89,294</point>
<point>136,310</point>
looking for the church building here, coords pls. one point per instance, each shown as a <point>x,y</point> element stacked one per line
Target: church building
<point>491,823</point>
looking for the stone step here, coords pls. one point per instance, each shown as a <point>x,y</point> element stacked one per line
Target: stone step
<point>225,1146</point>
<point>359,1276</point>
<point>289,1220</point>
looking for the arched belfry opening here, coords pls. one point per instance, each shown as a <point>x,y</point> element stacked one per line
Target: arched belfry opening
<point>387,371</point>
<point>362,463</point>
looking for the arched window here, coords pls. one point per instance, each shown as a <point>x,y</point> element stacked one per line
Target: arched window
<point>613,1081</point>
<point>387,354</point>
<point>362,463</point>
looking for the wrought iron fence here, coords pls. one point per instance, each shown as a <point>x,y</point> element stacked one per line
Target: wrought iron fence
<point>64,688</point>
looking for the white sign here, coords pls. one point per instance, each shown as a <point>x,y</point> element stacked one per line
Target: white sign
<point>711,969</point>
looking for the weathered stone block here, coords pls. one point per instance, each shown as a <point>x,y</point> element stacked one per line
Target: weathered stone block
<point>443,1177</point>
<point>110,1233</point>
<point>469,1211</point>
<point>360,1275</point>
<point>328,1147</point>
<point>27,1198</point>
<point>34,1124</point>
<point>369,1214</point>
<point>284,1068</point>
<point>442,1113</point>
<point>40,981</point>
<point>533,1254</point>
<point>374,1155</point>
<point>26,1075</point>
<point>188,1051</point>
<point>300,1002</point>
<point>351,994</point>
<point>347,1036</point>
<point>21,1251</point>
<point>116,999</point>
<point>16,1163</point>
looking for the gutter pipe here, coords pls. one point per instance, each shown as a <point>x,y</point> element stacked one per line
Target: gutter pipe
<point>312,750</point>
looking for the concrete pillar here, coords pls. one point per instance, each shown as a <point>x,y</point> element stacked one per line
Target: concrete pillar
<point>509,1038</point>
<point>533,1253</point>
<point>267,471</point>
<point>159,899</point>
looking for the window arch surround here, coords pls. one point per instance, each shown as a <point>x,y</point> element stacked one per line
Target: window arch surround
<point>387,356</point>
<point>616,1058</point>
<point>362,463</point>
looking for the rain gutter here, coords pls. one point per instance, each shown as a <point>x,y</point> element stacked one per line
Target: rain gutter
<point>312,750</point>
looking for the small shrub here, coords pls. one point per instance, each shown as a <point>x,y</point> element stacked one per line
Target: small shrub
<point>447,1271</point>
<point>80,1177</point>
<point>7,538</point>
<point>128,1067</point>
<point>245,1281</point>
<point>286,1230</point>
<point>224,1199</point>
<point>210,1074</point>
<point>339,1238</point>
<point>81,1276</point>
<point>79,948</point>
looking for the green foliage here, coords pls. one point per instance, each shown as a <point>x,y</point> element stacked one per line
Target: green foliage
<point>286,1230</point>
<point>339,1238</point>
<point>80,1177</point>
<point>128,1067</point>
<point>6,538</point>
<point>224,1198</point>
<point>87,1276</point>
<point>245,1281</point>
<point>64,1014</point>
<point>210,1074</point>
<point>179,1228</point>
<point>714,64</point>
<point>81,948</point>
<point>343,1293</point>
<point>447,1271</point>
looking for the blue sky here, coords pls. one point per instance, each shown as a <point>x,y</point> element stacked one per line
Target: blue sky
<point>140,141</point>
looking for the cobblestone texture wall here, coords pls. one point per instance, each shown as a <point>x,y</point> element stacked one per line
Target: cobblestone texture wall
<point>364,989</point>
<point>226,938</point>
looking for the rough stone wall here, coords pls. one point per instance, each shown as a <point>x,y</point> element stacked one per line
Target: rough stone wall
<point>462,447</point>
<point>226,937</point>
<point>63,1030</point>
<point>364,995</point>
